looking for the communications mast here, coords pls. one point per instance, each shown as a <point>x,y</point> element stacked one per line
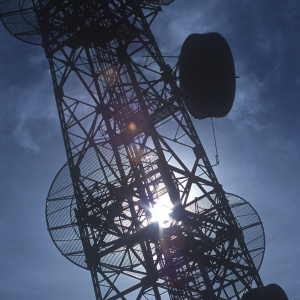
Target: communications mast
<point>137,202</point>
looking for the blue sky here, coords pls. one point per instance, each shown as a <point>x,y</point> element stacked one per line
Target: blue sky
<point>258,142</point>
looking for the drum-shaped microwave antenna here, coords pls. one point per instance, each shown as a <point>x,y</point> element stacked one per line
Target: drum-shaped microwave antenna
<point>270,292</point>
<point>207,75</point>
<point>160,2</point>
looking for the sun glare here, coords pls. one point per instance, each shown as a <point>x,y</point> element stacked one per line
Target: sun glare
<point>161,214</point>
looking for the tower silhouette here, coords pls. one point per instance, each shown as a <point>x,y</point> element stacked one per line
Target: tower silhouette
<point>133,154</point>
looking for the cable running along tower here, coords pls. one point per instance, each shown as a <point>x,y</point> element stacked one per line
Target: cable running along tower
<point>134,154</point>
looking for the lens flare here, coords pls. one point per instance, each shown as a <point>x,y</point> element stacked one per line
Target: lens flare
<point>132,126</point>
<point>161,214</point>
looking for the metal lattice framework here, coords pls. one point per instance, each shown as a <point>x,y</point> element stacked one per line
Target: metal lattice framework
<point>131,145</point>
<point>63,227</point>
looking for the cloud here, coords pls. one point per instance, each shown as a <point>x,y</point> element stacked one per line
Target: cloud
<point>37,60</point>
<point>27,112</point>
<point>170,36</point>
<point>25,138</point>
<point>248,106</point>
<point>26,95</point>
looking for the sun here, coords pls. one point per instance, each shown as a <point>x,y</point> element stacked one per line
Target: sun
<point>161,214</point>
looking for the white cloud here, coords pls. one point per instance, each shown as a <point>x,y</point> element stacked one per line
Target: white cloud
<point>249,104</point>
<point>34,108</point>
<point>25,138</point>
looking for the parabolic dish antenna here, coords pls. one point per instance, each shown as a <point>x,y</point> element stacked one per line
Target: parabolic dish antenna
<point>20,20</point>
<point>110,222</point>
<point>107,202</point>
<point>19,17</point>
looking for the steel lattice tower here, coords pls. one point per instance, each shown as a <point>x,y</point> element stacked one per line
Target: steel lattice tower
<point>131,146</point>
